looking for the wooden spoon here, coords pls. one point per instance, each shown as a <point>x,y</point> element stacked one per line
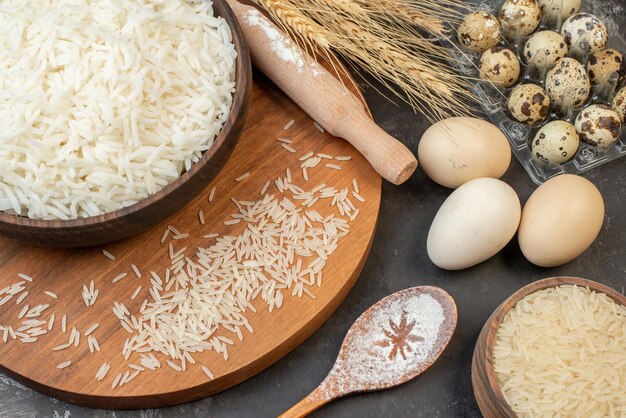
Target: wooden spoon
<point>321,95</point>
<point>393,342</point>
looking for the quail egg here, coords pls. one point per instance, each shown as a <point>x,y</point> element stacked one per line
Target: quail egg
<point>584,24</point>
<point>599,125</point>
<point>567,84</point>
<point>529,103</point>
<point>479,31</point>
<point>556,142</point>
<point>550,8</point>
<point>619,104</point>
<point>544,49</point>
<point>519,17</point>
<point>500,65</point>
<point>603,64</point>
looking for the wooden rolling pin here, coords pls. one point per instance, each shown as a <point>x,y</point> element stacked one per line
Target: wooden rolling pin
<point>321,95</point>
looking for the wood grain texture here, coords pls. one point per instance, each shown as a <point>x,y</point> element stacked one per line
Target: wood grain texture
<point>486,389</point>
<point>131,220</point>
<point>64,271</point>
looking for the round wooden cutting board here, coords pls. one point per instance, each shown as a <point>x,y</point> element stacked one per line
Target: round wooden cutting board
<point>64,272</point>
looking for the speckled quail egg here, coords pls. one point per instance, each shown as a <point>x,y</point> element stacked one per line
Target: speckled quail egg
<point>519,17</point>
<point>619,104</point>
<point>567,84</point>
<point>529,103</point>
<point>584,24</point>
<point>603,64</point>
<point>500,65</point>
<point>599,125</point>
<point>550,8</point>
<point>479,31</point>
<point>544,49</point>
<point>556,142</point>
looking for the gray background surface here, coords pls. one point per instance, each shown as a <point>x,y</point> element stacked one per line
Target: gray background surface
<point>398,260</point>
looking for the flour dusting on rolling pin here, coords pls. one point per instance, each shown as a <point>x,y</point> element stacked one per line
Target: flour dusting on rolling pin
<point>321,95</point>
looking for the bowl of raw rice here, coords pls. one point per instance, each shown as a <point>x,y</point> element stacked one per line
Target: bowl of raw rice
<point>114,115</point>
<point>556,347</point>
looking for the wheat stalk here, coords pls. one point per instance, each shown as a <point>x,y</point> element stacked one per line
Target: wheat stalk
<point>383,38</point>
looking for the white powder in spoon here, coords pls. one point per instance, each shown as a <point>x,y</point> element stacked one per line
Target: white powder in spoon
<point>391,342</point>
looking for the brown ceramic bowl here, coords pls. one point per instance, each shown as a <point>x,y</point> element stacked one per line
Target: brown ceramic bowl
<point>486,389</point>
<point>131,220</point>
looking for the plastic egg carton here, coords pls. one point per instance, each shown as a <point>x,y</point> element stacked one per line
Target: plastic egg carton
<point>494,100</point>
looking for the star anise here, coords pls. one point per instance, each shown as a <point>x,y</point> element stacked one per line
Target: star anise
<point>398,337</point>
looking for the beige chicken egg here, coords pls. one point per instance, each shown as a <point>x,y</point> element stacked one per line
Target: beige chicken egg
<point>599,125</point>
<point>588,26</point>
<point>456,150</point>
<point>619,104</point>
<point>550,8</point>
<point>544,49</point>
<point>560,220</point>
<point>519,17</point>
<point>529,104</point>
<point>603,64</point>
<point>479,31</point>
<point>556,142</point>
<point>500,66</point>
<point>567,84</point>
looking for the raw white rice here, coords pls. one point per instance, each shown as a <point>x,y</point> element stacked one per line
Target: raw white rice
<point>108,255</point>
<point>333,166</point>
<point>242,177</point>
<point>289,124</point>
<point>136,271</point>
<point>562,352</point>
<point>104,103</point>
<point>288,148</point>
<point>64,364</point>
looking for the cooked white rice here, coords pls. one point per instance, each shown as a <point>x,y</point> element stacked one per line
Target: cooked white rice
<point>103,103</point>
<point>562,352</point>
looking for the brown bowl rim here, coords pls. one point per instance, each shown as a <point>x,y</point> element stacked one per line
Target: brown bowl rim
<point>242,89</point>
<point>499,313</point>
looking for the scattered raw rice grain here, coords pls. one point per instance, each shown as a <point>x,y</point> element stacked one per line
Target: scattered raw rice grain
<point>136,271</point>
<point>92,328</point>
<point>209,236</point>
<point>288,148</point>
<point>354,215</point>
<point>343,158</point>
<point>165,234</point>
<point>328,157</point>
<point>265,187</point>
<point>284,140</point>
<point>232,222</point>
<point>102,371</point>
<point>318,127</point>
<point>173,230</point>
<point>52,295</point>
<point>242,177</point>
<point>288,175</point>
<point>108,255</point>
<point>64,323</point>
<point>64,364</point>
<point>358,197</point>
<point>333,166</point>
<point>305,174</point>
<point>51,322</point>
<point>116,380</point>
<point>201,217</point>
<point>23,312</point>
<point>132,376</point>
<point>212,194</point>
<point>289,124</point>
<point>355,185</point>
<point>21,297</point>
<point>180,236</point>
<point>135,293</point>
<point>207,372</point>
<point>25,277</point>
<point>306,156</point>
<point>174,366</point>
<point>61,347</point>
<point>119,277</point>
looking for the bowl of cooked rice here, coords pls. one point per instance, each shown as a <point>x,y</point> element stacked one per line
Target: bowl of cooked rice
<point>113,114</point>
<point>556,347</point>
